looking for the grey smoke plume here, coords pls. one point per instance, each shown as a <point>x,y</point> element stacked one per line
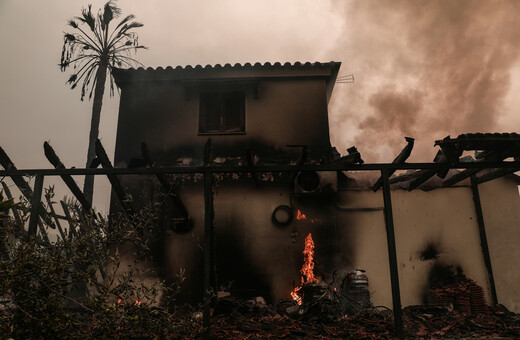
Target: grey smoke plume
<point>423,69</point>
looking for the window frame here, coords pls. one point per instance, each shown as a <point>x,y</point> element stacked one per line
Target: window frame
<point>207,96</point>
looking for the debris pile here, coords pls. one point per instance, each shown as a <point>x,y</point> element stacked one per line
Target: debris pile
<point>431,321</point>
<point>277,326</point>
<point>465,296</point>
<point>247,321</point>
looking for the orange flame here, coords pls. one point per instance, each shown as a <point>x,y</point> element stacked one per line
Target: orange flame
<point>307,270</point>
<point>300,215</point>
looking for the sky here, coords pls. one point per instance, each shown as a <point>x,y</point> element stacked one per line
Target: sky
<point>424,69</point>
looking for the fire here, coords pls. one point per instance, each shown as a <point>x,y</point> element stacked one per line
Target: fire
<point>307,270</point>
<point>302,216</point>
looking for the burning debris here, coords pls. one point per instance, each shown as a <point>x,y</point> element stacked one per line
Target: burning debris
<point>316,299</point>
<point>307,270</point>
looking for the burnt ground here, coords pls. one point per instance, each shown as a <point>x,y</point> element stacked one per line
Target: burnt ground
<point>425,322</point>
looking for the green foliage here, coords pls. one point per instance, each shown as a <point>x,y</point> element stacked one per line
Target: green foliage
<point>92,284</point>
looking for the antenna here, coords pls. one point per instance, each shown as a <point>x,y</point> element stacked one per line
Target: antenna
<point>345,79</point>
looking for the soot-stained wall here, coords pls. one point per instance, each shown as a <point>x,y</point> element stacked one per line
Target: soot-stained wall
<point>442,220</point>
<point>278,111</point>
<point>283,105</point>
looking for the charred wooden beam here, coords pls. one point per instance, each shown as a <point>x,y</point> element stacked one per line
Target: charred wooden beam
<point>401,158</point>
<point>166,185</point>
<point>406,177</point>
<point>483,157</point>
<point>24,187</point>
<point>260,168</point>
<point>69,181</point>
<point>392,254</point>
<point>460,177</point>
<point>35,207</point>
<point>496,174</point>
<point>16,215</point>
<point>6,162</point>
<point>208,250</point>
<point>114,181</point>
<point>425,175</point>
<point>483,238</point>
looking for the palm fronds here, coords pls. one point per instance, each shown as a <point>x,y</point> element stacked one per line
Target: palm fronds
<point>86,50</point>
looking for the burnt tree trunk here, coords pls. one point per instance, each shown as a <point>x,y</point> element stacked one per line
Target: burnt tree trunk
<point>101,76</point>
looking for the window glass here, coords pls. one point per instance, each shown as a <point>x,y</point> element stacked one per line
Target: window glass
<point>222,112</point>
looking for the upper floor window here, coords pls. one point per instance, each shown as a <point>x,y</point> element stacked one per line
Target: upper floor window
<point>222,112</point>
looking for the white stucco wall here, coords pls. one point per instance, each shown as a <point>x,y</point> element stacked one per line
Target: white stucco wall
<point>445,217</point>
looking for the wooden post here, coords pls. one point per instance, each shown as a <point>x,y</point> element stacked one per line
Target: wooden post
<point>392,256</point>
<point>208,238</point>
<point>6,162</point>
<point>483,238</point>
<point>167,187</point>
<point>114,181</point>
<point>24,187</point>
<point>208,247</point>
<point>35,207</point>
<point>16,215</point>
<point>401,158</point>
<point>69,181</point>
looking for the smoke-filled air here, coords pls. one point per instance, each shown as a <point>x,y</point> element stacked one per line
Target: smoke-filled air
<point>425,69</point>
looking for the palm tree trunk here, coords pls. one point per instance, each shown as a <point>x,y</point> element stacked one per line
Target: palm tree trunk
<point>101,76</point>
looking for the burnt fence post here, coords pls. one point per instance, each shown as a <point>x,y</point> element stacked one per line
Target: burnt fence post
<point>392,256</point>
<point>208,237</point>
<point>208,246</point>
<point>35,207</point>
<point>483,238</point>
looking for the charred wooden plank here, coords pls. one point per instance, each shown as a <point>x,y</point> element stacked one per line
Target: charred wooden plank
<point>460,177</point>
<point>495,174</point>
<point>16,215</point>
<point>69,181</point>
<point>6,162</point>
<point>425,175</point>
<point>35,207</point>
<point>483,238</point>
<point>167,187</point>
<point>392,254</point>
<point>24,187</point>
<point>429,173</point>
<point>406,177</point>
<point>401,158</point>
<point>208,247</point>
<point>114,181</point>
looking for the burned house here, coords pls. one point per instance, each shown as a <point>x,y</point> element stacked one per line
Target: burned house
<point>276,114</point>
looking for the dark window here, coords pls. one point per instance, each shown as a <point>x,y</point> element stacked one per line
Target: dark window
<point>222,112</point>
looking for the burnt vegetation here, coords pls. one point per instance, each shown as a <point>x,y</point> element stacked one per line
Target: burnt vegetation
<point>81,285</point>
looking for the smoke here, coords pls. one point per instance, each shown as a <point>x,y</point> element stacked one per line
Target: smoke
<point>423,69</point>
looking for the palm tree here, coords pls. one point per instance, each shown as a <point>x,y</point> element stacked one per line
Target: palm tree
<point>92,53</point>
